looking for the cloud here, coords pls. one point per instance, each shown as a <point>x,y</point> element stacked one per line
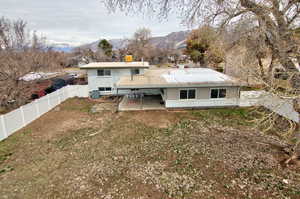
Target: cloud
<point>82,21</point>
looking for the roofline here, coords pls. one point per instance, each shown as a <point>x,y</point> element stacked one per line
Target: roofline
<point>112,67</point>
<point>117,65</point>
<point>180,86</point>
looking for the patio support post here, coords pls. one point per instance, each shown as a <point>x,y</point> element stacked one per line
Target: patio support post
<point>141,101</point>
<point>118,100</point>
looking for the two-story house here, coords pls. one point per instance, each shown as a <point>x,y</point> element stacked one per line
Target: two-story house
<point>103,76</point>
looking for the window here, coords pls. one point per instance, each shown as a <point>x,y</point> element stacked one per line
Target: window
<point>183,94</point>
<point>188,94</point>
<point>104,89</point>
<point>135,71</point>
<point>217,93</point>
<point>104,72</point>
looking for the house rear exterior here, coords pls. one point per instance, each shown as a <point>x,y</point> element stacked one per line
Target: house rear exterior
<point>103,76</point>
<point>176,88</point>
<point>201,97</point>
<point>187,88</point>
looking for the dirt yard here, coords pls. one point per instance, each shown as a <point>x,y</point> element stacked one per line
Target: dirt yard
<point>73,152</point>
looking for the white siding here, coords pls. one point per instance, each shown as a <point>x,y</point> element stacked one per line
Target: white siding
<point>202,98</point>
<point>201,93</point>
<point>96,81</point>
<point>201,103</point>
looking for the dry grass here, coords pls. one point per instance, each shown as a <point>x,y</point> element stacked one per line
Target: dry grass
<point>73,153</point>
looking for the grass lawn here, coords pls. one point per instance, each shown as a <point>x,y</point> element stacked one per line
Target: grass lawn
<point>73,153</point>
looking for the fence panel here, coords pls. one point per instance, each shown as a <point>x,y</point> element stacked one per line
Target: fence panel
<point>283,107</point>
<point>43,105</point>
<point>2,128</point>
<point>54,99</point>
<point>85,91</point>
<point>82,91</point>
<point>64,93</point>
<point>30,113</point>
<point>13,121</point>
<point>73,92</point>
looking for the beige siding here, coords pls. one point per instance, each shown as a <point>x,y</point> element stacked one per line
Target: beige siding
<point>172,93</point>
<point>202,93</point>
<point>232,92</point>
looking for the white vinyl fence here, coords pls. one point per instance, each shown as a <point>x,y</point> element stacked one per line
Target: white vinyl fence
<point>283,107</point>
<point>19,118</point>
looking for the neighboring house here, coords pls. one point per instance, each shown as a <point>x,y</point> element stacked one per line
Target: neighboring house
<point>186,88</point>
<point>103,76</point>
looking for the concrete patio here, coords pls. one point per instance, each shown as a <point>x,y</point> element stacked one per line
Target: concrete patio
<point>144,103</point>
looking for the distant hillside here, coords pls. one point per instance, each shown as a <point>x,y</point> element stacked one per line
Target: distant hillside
<point>62,47</point>
<point>173,40</point>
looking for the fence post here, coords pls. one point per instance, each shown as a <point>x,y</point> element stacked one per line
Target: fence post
<point>37,108</point>
<point>63,93</point>
<point>48,99</point>
<point>68,92</point>
<point>22,115</point>
<point>58,96</point>
<point>3,126</point>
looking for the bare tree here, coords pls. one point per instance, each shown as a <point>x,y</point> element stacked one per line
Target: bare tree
<point>142,36</point>
<point>273,22</point>
<point>139,45</point>
<point>21,53</point>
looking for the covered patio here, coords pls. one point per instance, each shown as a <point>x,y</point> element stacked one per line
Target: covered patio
<point>145,92</point>
<point>140,102</point>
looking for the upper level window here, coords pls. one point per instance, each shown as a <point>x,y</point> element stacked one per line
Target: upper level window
<point>217,93</point>
<point>188,94</point>
<point>104,72</point>
<point>135,71</point>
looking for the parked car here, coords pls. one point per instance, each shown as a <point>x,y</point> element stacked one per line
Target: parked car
<point>49,90</point>
<point>38,94</point>
<point>70,80</point>
<point>37,90</point>
<point>58,83</point>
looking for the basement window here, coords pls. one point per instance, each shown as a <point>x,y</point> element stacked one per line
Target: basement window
<point>103,72</point>
<point>217,93</point>
<point>188,94</point>
<point>105,89</point>
<point>135,71</point>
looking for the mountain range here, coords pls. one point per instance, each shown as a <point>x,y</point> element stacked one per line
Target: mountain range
<point>174,40</point>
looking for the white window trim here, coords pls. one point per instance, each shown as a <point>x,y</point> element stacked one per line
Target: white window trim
<point>196,96</point>
<point>218,94</point>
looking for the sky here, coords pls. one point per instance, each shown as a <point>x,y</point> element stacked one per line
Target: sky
<point>78,22</point>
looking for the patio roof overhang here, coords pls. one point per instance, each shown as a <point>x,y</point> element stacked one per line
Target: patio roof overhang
<point>157,79</point>
<point>161,86</point>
